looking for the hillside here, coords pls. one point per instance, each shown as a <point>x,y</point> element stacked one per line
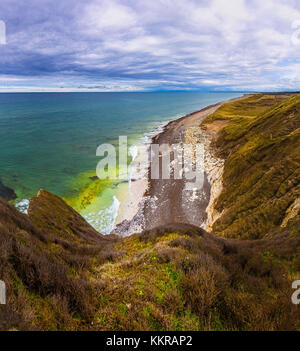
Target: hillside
<point>176,277</point>
<point>260,142</point>
<point>44,261</point>
<point>63,275</point>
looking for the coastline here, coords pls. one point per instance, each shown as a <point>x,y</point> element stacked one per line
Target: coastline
<point>159,202</point>
<point>142,203</point>
<point>132,197</point>
<point>73,176</point>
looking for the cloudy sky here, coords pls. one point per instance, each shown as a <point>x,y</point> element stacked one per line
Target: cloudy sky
<point>137,45</point>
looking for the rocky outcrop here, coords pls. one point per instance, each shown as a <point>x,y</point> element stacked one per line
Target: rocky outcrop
<point>292,212</point>
<point>213,166</point>
<point>6,192</point>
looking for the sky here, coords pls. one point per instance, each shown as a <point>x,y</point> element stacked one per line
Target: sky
<point>140,45</point>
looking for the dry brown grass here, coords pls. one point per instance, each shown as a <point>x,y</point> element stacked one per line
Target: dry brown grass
<point>176,277</point>
<point>47,277</point>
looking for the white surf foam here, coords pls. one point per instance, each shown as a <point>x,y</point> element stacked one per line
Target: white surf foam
<point>22,206</point>
<point>104,220</point>
<point>140,154</point>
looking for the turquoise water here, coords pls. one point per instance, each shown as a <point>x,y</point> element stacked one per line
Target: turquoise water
<point>49,140</point>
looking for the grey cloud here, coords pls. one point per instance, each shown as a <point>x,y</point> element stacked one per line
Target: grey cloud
<point>139,45</point>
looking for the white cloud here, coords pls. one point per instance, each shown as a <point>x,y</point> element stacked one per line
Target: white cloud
<point>107,15</point>
<point>192,43</point>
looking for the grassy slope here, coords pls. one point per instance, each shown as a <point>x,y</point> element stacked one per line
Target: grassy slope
<point>181,278</point>
<point>261,145</point>
<point>172,278</point>
<point>44,260</point>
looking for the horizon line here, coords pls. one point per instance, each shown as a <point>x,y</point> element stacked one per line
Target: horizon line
<point>151,91</point>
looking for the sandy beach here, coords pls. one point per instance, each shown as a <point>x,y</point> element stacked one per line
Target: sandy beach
<point>154,202</point>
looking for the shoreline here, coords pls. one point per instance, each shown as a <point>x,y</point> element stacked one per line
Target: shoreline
<point>167,201</point>
<point>136,187</point>
<point>142,203</point>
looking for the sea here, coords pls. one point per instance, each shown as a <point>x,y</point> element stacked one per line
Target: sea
<point>49,141</point>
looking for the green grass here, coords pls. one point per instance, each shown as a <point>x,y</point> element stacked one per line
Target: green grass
<point>261,147</point>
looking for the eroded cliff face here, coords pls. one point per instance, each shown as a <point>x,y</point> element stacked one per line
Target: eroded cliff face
<point>214,167</point>
<point>255,180</point>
